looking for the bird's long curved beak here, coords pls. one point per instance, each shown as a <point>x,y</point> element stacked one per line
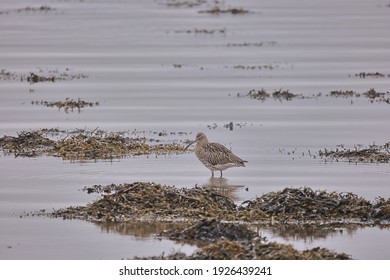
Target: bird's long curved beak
<point>189,145</point>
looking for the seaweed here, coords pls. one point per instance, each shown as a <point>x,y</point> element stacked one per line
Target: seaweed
<point>68,105</point>
<point>221,229</point>
<point>151,201</point>
<point>372,154</point>
<point>280,95</point>
<point>83,145</point>
<point>217,10</point>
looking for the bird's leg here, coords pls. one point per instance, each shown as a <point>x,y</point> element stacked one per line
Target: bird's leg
<point>212,173</point>
<point>221,173</point>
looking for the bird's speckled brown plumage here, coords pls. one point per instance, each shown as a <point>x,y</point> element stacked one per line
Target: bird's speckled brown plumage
<point>215,156</point>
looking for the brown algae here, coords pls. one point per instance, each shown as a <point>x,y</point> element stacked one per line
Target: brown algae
<point>372,75</point>
<point>152,201</point>
<point>53,76</point>
<point>202,31</point>
<point>217,10</point>
<point>221,229</point>
<point>68,105</point>
<point>372,154</point>
<point>28,9</point>
<point>82,145</point>
<point>49,75</point>
<point>263,95</point>
<point>187,4</point>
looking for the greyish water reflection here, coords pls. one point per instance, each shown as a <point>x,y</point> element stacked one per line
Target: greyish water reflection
<point>138,229</point>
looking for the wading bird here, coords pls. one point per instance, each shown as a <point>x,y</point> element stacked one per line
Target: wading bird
<point>213,155</point>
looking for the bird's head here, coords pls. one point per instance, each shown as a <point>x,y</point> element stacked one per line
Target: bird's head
<point>200,138</point>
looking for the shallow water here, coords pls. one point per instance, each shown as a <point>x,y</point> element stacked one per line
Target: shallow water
<point>148,73</point>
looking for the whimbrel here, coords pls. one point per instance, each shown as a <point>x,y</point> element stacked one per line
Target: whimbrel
<point>213,155</point>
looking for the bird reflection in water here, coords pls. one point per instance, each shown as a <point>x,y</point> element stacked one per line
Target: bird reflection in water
<point>222,185</point>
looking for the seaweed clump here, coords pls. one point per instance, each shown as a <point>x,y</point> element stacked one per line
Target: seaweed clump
<point>34,78</point>
<point>187,4</point>
<point>68,104</point>
<point>382,209</point>
<point>373,95</point>
<point>52,76</point>
<point>262,95</point>
<point>372,154</point>
<point>217,10</point>
<point>7,75</point>
<point>83,145</point>
<point>371,74</point>
<point>202,31</point>
<point>42,76</point>
<point>307,204</point>
<point>258,94</point>
<point>342,93</point>
<point>150,201</point>
<point>284,95</point>
<point>204,217</point>
<point>26,144</point>
<point>28,9</point>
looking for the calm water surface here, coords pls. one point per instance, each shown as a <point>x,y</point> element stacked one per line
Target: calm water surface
<point>149,70</point>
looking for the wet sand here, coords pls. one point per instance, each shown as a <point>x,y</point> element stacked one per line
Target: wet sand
<point>147,76</point>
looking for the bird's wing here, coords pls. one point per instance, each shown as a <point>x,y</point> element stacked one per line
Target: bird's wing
<point>219,154</point>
